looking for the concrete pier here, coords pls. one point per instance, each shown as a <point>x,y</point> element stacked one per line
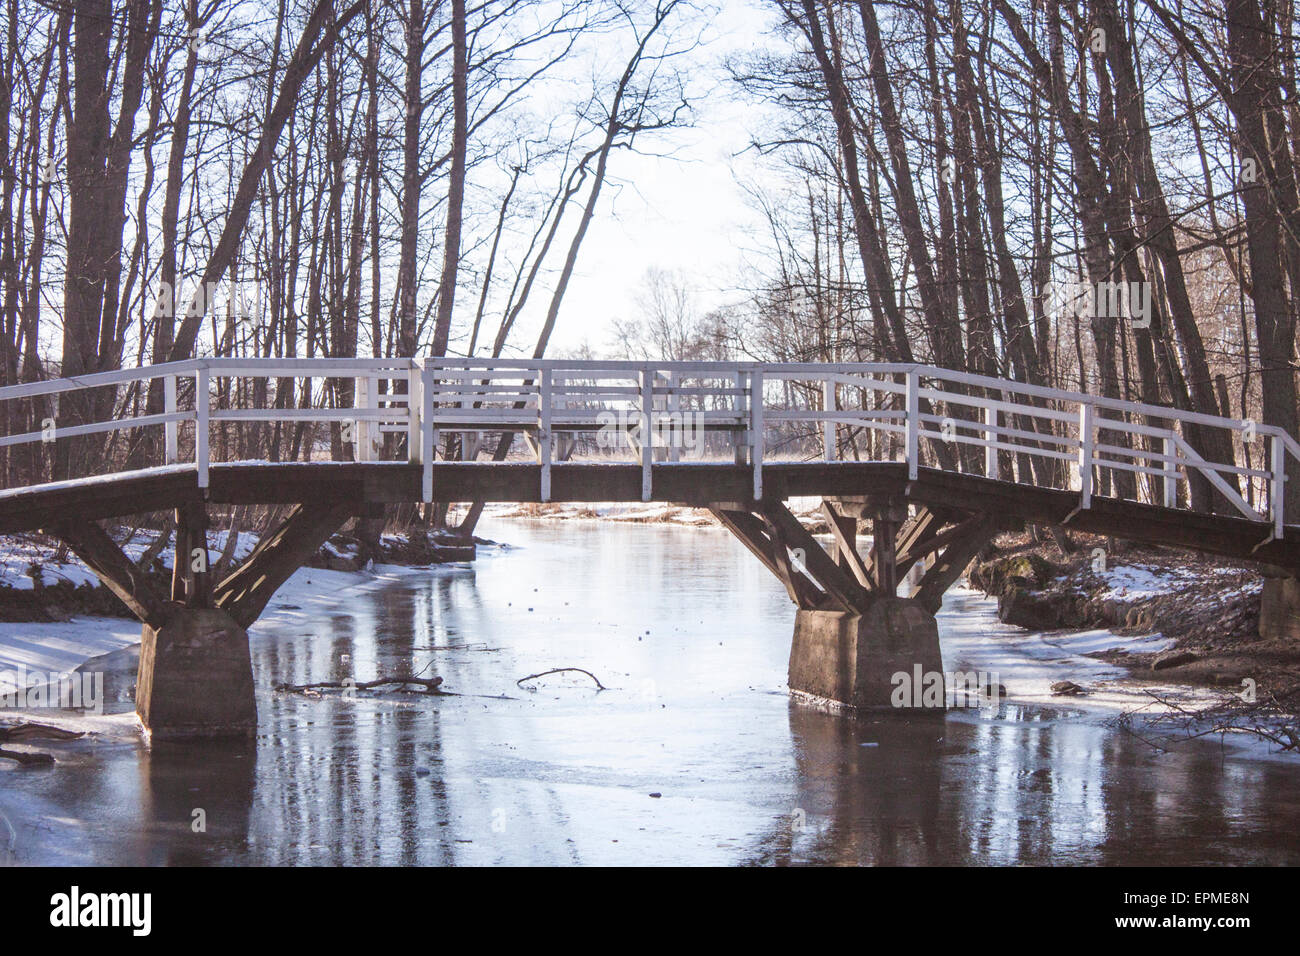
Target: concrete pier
<point>852,659</point>
<point>1279,610</point>
<point>196,677</point>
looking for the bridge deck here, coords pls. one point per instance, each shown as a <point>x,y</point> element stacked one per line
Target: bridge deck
<point>366,484</point>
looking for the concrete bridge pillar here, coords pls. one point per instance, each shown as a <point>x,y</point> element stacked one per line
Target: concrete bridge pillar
<point>196,677</point>
<point>1279,610</point>
<point>856,642</point>
<point>885,659</point>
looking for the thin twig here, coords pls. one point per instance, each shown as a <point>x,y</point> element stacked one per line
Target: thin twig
<point>561,670</point>
<point>430,684</point>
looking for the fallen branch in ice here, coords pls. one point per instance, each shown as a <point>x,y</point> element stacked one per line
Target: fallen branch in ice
<point>430,684</point>
<point>561,670</point>
<point>33,731</point>
<point>28,730</point>
<point>1270,718</point>
<point>27,759</point>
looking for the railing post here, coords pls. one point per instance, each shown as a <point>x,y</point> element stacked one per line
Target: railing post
<point>428,437</point>
<point>913,424</point>
<point>1169,498</point>
<point>676,422</point>
<point>828,424</point>
<point>1277,490</point>
<point>756,429</point>
<point>544,431</point>
<point>170,431</point>
<point>414,451</point>
<point>991,436</point>
<point>742,403</point>
<point>202,408</point>
<point>647,436</point>
<point>361,427</point>
<point>1085,455</point>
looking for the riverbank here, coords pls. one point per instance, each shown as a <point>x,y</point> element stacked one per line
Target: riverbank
<point>1207,608</point>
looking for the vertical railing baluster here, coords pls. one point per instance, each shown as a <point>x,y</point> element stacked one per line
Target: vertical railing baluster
<point>742,410</point>
<point>361,426</point>
<point>1277,489</point>
<point>202,408</point>
<point>990,436</point>
<point>828,424</point>
<point>171,431</point>
<point>1169,497</point>
<point>428,436</point>
<point>756,444</point>
<point>414,453</point>
<point>544,431</point>
<point>1085,455</point>
<point>647,438</point>
<point>913,423</point>
<point>676,423</point>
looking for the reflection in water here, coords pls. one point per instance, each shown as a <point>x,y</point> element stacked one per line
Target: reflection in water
<point>197,799</point>
<point>691,636</point>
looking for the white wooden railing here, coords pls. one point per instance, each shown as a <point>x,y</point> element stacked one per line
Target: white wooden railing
<point>765,412</point>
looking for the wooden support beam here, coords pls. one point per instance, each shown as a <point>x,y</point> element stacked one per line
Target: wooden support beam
<point>809,596</point>
<point>915,532</point>
<point>884,554</point>
<point>829,576</point>
<point>191,580</point>
<point>92,545</point>
<point>244,593</point>
<point>950,565</point>
<point>844,528</point>
<point>913,547</point>
<point>755,536</point>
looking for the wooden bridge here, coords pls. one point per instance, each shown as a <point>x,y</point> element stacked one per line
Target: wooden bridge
<point>937,461</point>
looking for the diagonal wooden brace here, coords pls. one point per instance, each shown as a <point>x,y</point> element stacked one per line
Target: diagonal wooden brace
<point>101,554</point>
<point>245,592</point>
<point>838,584</point>
<point>844,529</point>
<point>952,562</point>
<point>754,535</point>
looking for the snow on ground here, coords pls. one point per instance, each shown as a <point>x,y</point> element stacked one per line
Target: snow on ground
<point>59,647</point>
<point>21,556</point>
<point>1029,662</point>
<point>1140,582</point>
<point>20,553</point>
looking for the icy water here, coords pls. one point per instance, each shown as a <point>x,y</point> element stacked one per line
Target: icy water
<point>694,754</point>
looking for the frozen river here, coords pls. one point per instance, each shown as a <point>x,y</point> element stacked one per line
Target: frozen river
<point>694,754</point>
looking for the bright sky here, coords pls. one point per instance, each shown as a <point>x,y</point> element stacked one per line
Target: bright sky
<point>683,212</point>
